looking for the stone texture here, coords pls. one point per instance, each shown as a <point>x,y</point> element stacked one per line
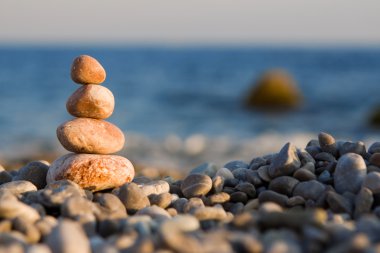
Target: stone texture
<point>87,70</point>
<point>133,197</point>
<point>327,143</point>
<point>91,101</point>
<point>92,172</point>
<point>92,136</point>
<point>309,189</point>
<point>372,182</point>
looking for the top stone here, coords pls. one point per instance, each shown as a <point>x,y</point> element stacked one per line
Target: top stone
<point>87,70</point>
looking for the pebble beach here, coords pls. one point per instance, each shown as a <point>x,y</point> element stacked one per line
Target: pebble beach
<point>321,197</point>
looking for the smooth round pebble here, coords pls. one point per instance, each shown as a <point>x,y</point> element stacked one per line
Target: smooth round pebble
<point>309,190</point>
<point>90,136</point>
<point>133,197</point>
<point>91,101</point>
<point>92,172</point>
<point>283,185</point>
<point>34,172</point>
<point>87,70</point>
<point>155,187</point>
<point>196,185</point>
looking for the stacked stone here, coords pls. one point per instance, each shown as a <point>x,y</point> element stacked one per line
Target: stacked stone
<point>89,136</point>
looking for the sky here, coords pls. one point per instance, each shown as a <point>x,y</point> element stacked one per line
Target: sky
<point>178,22</point>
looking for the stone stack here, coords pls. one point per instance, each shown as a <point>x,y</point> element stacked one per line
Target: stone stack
<point>89,136</point>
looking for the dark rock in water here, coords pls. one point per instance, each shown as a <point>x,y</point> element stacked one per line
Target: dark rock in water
<point>274,90</point>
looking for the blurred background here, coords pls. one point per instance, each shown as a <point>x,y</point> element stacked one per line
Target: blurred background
<point>189,77</point>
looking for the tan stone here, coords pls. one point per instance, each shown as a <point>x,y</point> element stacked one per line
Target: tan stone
<point>92,172</point>
<point>91,101</point>
<point>93,136</point>
<point>87,70</point>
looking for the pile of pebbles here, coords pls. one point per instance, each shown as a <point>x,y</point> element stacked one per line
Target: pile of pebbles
<point>324,198</point>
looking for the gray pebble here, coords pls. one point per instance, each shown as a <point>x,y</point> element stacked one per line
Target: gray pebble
<point>304,175</point>
<point>76,206</point>
<point>157,213</point>
<point>208,169</point>
<point>285,162</point>
<point>34,172</point>
<point>338,203</point>
<point>163,200</point>
<point>374,148</point>
<point>19,187</point>
<point>133,197</point>
<point>179,204</point>
<point>284,185</point>
<point>247,188</point>
<point>325,157</point>
<point>68,237</point>
<point>257,163</point>
<point>240,174</point>
<point>352,147</point>
<point>56,193</point>
<point>155,187</point>
<point>196,185</point>
<point>296,201</point>
<point>375,159</point>
<point>305,157</point>
<point>239,197</point>
<point>363,202</point>
<point>218,198</point>
<point>324,177</point>
<point>11,208</point>
<point>372,182</point>
<point>263,173</point>
<point>233,165</point>
<point>193,204</point>
<point>224,173</point>
<point>309,190</point>
<point>5,176</point>
<point>272,196</point>
<point>110,205</point>
<point>349,173</point>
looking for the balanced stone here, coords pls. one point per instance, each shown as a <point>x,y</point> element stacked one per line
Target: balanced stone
<point>87,70</point>
<point>93,172</point>
<point>93,136</point>
<point>91,101</point>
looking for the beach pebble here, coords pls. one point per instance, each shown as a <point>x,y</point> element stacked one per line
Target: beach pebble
<point>239,197</point>
<point>372,182</point>
<point>217,184</point>
<point>257,163</point>
<point>155,187</point>
<point>285,162</point>
<point>173,233</point>
<point>247,188</point>
<point>305,157</point>
<point>91,101</point>
<point>57,192</point>
<point>272,196</point>
<point>363,202</point>
<point>179,204</point>
<point>68,237</point>
<point>352,147</point>
<point>218,198</point>
<point>295,201</point>
<point>309,190</point>
<point>327,143</point>
<point>110,205</point>
<point>192,204</point>
<point>262,172</point>
<point>349,173</point>
<point>87,70</point>
<point>133,197</point>
<point>374,148</point>
<point>162,200</point>
<point>375,159</point>
<point>325,157</point>
<point>76,206</point>
<point>92,172</point>
<point>155,212</point>
<point>34,172</point>
<point>91,136</point>
<point>338,203</point>
<point>224,173</point>
<point>31,233</point>
<point>196,185</point>
<point>304,175</point>
<point>208,169</point>
<point>283,185</point>
<point>45,225</point>
<point>18,187</point>
<point>5,176</point>
<point>210,213</point>
<point>38,248</point>
<point>233,165</point>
